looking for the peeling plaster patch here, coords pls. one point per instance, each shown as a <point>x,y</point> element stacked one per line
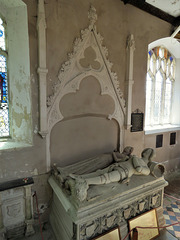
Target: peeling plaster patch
<point>32,78</point>
<point>36,129</point>
<point>18,117</point>
<point>19,106</point>
<point>42,207</point>
<point>3,173</point>
<point>21,70</point>
<point>20,125</point>
<point>35,172</point>
<point>19,86</point>
<point>22,98</point>
<point>24,171</point>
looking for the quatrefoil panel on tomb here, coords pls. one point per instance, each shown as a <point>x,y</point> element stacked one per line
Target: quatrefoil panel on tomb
<point>89,61</point>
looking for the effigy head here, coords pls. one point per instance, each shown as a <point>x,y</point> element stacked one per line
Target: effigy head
<point>128,150</point>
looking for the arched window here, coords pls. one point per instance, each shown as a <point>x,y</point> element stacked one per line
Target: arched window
<point>4,112</point>
<point>159,87</point>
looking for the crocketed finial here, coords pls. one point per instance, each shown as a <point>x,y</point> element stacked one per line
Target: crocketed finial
<point>92,15</point>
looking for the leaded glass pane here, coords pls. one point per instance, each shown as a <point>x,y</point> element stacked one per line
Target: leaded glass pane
<point>167,103</point>
<point>167,69</point>
<point>163,64</point>
<point>158,98</point>
<point>171,58</point>
<point>157,63</point>
<point>4,113</point>
<point>172,69</point>
<point>2,36</point>
<point>151,65</point>
<point>161,52</point>
<point>150,53</point>
<point>148,98</point>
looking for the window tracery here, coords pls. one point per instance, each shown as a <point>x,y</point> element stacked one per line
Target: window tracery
<point>159,87</point>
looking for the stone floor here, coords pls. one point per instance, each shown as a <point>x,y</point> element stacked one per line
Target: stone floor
<point>172,216</point>
<point>172,190</point>
<point>171,207</point>
<point>47,234</point>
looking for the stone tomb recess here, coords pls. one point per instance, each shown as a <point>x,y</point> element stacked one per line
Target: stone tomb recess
<point>86,118</point>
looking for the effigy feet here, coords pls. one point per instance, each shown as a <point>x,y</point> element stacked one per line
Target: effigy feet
<point>79,188</point>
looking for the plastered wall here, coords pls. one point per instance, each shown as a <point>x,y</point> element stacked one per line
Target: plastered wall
<point>64,21</point>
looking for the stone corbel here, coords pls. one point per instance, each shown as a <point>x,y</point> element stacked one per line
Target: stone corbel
<point>42,70</point>
<point>129,79</point>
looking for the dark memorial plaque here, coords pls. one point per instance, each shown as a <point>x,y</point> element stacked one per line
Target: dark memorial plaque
<point>172,138</point>
<point>137,122</point>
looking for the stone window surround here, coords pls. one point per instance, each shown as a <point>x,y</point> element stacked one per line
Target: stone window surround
<point>15,14</point>
<point>172,46</point>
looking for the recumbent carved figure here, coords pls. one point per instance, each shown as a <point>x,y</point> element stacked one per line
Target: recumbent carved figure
<point>123,167</point>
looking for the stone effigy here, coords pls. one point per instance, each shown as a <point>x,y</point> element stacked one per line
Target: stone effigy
<point>97,194</point>
<point>120,169</point>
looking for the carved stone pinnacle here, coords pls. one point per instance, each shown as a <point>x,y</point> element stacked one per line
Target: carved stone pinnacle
<point>92,15</point>
<point>131,42</point>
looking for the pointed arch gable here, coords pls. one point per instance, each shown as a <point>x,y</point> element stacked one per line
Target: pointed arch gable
<point>88,59</point>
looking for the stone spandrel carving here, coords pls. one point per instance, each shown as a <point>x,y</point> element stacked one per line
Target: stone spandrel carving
<point>124,166</point>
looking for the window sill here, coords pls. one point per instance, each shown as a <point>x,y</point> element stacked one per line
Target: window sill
<point>9,144</point>
<point>161,129</point>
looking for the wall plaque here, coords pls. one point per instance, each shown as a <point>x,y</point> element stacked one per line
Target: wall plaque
<point>146,225</point>
<point>137,122</point>
<point>111,235</point>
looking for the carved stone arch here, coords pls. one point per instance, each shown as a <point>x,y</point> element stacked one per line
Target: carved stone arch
<point>77,67</point>
<point>72,86</point>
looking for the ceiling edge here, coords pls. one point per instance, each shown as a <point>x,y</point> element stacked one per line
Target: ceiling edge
<point>153,11</point>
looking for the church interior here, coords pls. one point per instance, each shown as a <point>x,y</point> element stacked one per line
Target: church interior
<point>89,119</point>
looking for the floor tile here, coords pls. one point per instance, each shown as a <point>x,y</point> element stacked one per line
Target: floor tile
<point>171,215</point>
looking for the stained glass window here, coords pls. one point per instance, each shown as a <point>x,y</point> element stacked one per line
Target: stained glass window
<point>159,87</point>
<point>4,107</point>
